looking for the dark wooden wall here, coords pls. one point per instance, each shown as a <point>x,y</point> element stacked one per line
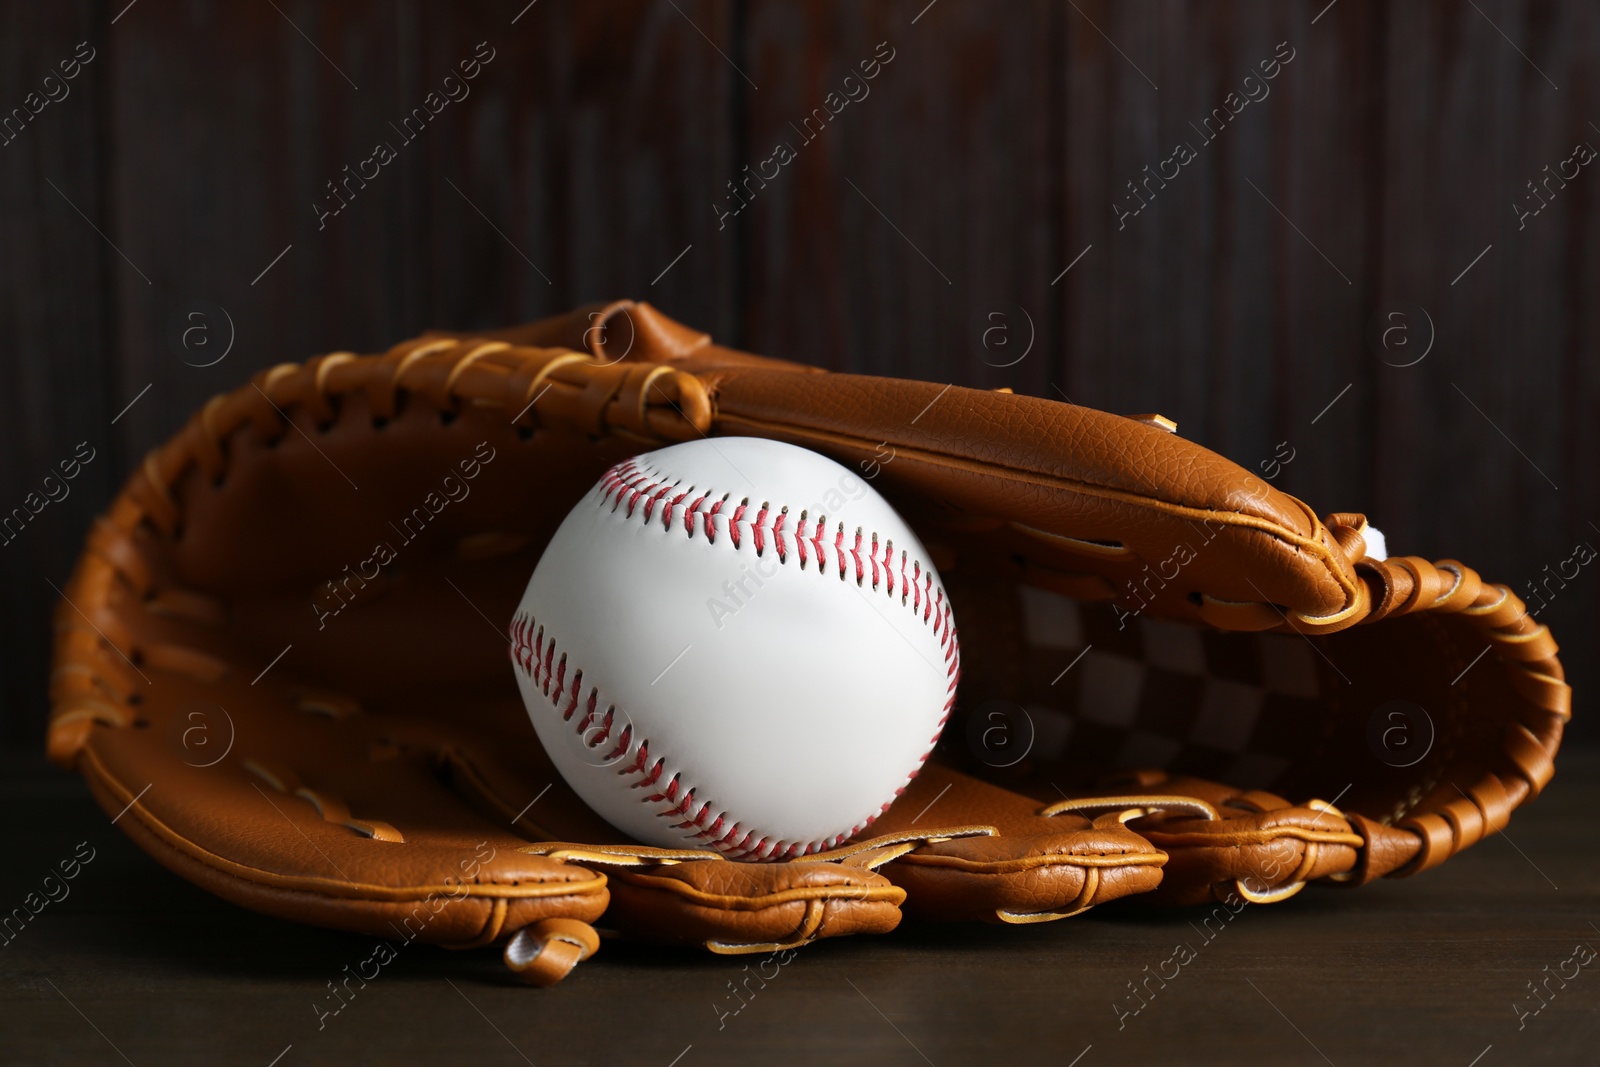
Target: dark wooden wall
<point>929,222</point>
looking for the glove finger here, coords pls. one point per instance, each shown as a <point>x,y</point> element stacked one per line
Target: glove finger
<point>1232,842</point>
<point>331,821</point>
<point>1000,857</point>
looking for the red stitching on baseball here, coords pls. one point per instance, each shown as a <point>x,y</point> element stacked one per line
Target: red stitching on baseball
<point>605,727</point>
<point>649,505</point>
<point>777,534</point>
<point>577,687</point>
<point>711,527</point>
<point>666,515</point>
<point>624,741</point>
<point>682,807</point>
<point>561,673</point>
<point>758,530</point>
<point>688,516</point>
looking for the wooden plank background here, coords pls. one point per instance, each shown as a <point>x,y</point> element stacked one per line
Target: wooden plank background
<point>925,231</point>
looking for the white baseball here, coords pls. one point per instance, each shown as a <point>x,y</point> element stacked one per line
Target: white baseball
<point>736,644</point>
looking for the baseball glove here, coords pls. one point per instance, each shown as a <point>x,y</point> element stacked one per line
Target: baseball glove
<point>283,658</point>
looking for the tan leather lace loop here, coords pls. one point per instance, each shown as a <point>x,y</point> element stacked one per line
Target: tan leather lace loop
<point>539,383</point>
<point>1121,809</point>
<point>876,851</point>
<point>620,855</point>
<point>474,354</point>
<point>1080,904</point>
<point>806,931</point>
<point>544,952</point>
<point>1277,893</point>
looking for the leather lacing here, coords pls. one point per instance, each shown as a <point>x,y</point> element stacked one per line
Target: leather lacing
<point>92,684</point>
<point>97,675</point>
<point>866,855</point>
<point>1526,653</point>
<point>1522,648</point>
<point>1119,810</point>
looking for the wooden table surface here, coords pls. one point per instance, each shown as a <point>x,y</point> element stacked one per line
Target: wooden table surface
<point>137,966</point>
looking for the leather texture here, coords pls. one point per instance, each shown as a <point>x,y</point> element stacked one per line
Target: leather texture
<point>282,657</point>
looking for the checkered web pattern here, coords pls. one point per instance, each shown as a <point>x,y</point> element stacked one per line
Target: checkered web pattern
<point>1233,707</point>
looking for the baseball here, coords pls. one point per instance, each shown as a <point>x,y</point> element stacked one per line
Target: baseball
<point>736,644</point>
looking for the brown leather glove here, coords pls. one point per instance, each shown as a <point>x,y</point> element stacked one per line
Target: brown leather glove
<point>283,657</point>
